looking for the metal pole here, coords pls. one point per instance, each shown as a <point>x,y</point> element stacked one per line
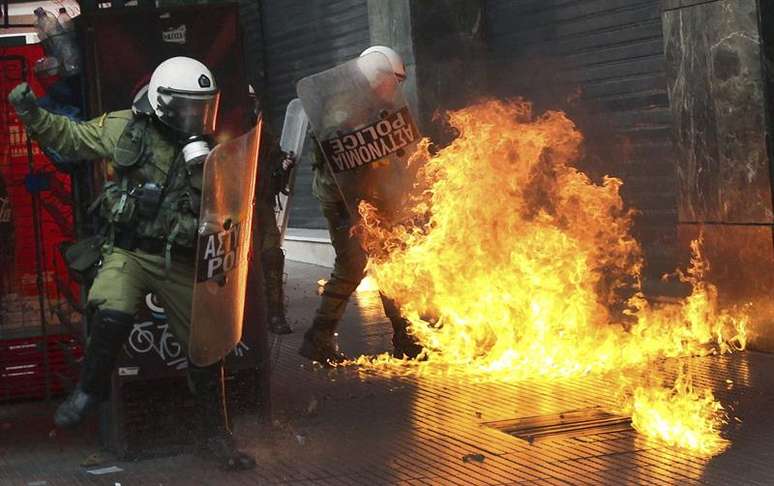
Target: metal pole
<point>39,270</point>
<point>4,9</point>
<point>6,20</point>
<point>39,255</point>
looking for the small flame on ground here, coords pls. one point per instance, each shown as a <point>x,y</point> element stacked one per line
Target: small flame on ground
<point>681,416</point>
<point>513,264</point>
<point>368,284</point>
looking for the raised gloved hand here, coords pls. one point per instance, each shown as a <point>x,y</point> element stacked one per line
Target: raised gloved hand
<point>23,99</point>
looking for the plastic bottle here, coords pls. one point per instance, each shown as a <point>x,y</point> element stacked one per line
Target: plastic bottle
<point>48,28</point>
<point>58,40</point>
<point>70,56</point>
<point>65,21</point>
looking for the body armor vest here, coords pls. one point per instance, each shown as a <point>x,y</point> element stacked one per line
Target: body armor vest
<point>154,194</point>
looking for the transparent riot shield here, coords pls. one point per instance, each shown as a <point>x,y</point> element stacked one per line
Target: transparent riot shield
<point>225,217</point>
<point>364,129</point>
<point>292,144</point>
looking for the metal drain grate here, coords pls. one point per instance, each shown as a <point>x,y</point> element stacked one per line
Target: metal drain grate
<point>573,423</point>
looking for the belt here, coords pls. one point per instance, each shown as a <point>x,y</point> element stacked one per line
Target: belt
<point>154,246</point>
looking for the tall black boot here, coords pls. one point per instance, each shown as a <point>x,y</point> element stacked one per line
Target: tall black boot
<point>320,343</point>
<point>273,261</point>
<point>215,439</point>
<point>109,330</point>
<point>404,345</point>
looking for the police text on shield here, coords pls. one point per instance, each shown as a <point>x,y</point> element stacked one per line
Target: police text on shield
<point>370,143</point>
<point>218,253</point>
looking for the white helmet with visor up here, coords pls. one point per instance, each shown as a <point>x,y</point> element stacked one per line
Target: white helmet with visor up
<point>183,94</point>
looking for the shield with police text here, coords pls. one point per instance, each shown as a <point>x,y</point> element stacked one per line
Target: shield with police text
<point>365,131</point>
<point>225,217</point>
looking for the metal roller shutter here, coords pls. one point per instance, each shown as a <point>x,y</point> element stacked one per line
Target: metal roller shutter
<point>603,62</point>
<point>302,38</point>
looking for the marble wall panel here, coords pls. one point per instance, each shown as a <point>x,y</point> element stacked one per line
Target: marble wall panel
<point>716,91</point>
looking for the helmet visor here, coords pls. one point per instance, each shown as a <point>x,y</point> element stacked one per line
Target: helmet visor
<point>191,113</point>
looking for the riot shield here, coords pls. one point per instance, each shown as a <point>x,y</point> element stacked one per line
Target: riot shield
<point>364,129</point>
<point>292,144</point>
<point>225,217</point>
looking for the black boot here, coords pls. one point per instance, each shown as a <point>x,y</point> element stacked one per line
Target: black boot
<point>273,261</point>
<point>320,343</point>
<point>404,345</point>
<point>109,330</point>
<point>215,440</point>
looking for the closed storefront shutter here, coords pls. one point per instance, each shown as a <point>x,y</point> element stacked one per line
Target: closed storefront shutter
<point>302,38</point>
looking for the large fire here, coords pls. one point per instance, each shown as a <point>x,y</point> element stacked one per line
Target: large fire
<point>513,264</point>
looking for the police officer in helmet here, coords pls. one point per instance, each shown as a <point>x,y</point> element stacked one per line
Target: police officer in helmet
<point>319,343</point>
<point>271,182</point>
<point>150,212</point>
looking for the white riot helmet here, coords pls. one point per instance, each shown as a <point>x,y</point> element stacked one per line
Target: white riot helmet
<point>398,67</point>
<point>183,94</point>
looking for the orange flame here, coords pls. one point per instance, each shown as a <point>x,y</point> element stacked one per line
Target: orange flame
<point>513,264</point>
<point>680,416</point>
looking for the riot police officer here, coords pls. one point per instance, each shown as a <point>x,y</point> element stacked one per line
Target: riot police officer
<point>272,255</point>
<point>319,342</point>
<point>150,211</point>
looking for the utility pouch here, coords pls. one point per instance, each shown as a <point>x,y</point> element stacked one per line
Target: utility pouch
<point>147,199</point>
<point>118,207</point>
<point>83,258</point>
<point>130,149</point>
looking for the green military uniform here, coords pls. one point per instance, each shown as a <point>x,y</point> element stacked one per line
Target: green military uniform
<point>125,277</point>
<point>350,262</point>
<point>157,253</point>
<point>270,236</point>
<point>272,256</point>
<point>347,98</point>
<point>266,192</point>
<point>150,213</point>
<point>348,272</point>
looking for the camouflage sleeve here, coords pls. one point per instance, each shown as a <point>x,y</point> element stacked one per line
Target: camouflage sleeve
<point>70,139</point>
<point>318,159</point>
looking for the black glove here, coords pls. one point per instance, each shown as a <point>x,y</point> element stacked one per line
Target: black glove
<point>287,165</point>
<point>23,99</point>
<point>288,161</point>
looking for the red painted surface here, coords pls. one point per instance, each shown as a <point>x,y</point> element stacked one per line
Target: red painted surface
<point>17,233</point>
<point>22,370</point>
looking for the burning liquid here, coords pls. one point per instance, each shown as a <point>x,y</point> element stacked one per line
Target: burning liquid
<point>516,265</point>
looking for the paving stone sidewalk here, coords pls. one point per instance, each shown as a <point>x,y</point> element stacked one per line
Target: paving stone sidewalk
<point>346,427</point>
